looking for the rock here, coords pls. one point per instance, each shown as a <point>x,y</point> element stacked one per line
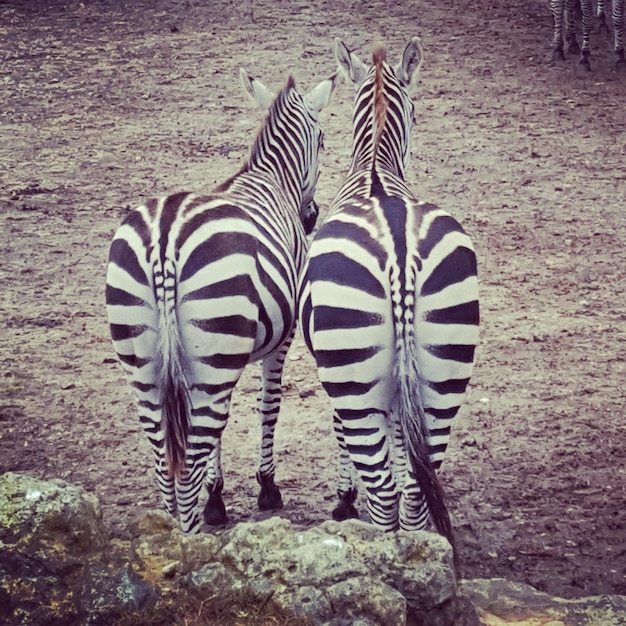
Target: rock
<point>501,602</point>
<point>51,517</point>
<point>58,566</point>
<point>107,592</point>
<point>165,552</point>
<point>340,572</point>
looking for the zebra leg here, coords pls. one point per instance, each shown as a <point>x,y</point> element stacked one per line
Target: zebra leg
<point>367,441</point>
<point>150,417</point>
<point>398,458</point>
<point>556,7</point>
<point>188,490</point>
<point>618,27</point>
<point>570,27</point>
<point>601,17</point>
<point>602,24</point>
<point>166,486</point>
<point>414,512</point>
<point>269,406</point>
<point>587,12</point>
<point>347,490</point>
<point>214,510</point>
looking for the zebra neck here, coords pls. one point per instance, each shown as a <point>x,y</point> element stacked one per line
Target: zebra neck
<point>276,154</point>
<point>383,157</point>
<point>284,178</point>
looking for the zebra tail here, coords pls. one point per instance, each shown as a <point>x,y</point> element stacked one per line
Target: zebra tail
<point>172,379</point>
<point>415,433</point>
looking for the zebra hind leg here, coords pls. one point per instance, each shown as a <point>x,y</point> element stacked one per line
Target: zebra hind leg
<point>587,20</point>
<point>269,496</point>
<point>346,489</point>
<point>618,35</point>
<point>269,406</point>
<point>214,509</point>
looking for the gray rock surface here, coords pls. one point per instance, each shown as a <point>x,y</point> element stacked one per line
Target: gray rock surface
<point>58,566</point>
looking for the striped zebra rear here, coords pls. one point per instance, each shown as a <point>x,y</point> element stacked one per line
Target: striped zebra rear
<point>389,308</point>
<point>198,286</point>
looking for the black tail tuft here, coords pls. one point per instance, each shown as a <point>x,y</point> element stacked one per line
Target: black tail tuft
<point>175,408</point>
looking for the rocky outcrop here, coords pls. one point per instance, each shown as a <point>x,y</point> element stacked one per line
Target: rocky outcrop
<point>57,566</point>
<point>501,602</point>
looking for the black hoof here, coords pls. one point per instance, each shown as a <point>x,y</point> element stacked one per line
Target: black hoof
<point>269,496</point>
<point>344,511</point>
<point>557,55</point>
<point>584,61</point>
<point>215,511</point>
<point>574,48</point>
<point>620,64</point>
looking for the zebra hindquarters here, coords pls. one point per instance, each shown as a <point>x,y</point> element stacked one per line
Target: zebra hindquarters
<point>351,340</point>
<point>132,314</point>
<point>219,318</point>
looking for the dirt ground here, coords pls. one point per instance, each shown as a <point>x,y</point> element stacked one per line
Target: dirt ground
<point>104,104</point>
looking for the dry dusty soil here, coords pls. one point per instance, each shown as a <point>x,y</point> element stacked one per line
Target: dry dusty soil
<point>104,104</point>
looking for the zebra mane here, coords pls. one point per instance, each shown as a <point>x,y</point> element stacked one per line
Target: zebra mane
<point>280,101</point>
<point>380,99</point>
<point>277,104</point>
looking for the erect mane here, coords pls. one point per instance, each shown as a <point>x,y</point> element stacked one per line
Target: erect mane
<point>277,104</point>
<point>380,99</point>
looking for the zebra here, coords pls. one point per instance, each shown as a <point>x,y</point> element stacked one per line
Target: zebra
<point>198,286</point>
<point>389,309</point>
<point>563,16</point>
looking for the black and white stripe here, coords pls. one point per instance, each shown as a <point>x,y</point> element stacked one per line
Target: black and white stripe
<point>564,32</point>
<point>389,309</point>
<point>198,286</point>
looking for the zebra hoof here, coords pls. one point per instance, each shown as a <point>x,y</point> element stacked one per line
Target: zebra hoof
<point>344,511</point>
<point>269,497</point>
<point>573,48</point>
<point>215,511</point>
<point>557,55</point>
<point>620,64</point>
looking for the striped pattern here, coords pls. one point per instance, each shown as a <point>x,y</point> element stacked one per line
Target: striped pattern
<point>389,309</point>
<point>198,286</point>
<point>564,33</point>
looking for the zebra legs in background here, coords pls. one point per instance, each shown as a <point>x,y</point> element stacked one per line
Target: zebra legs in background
<point>564,33</point>
<point>617,14</point>
<point>618,34</point>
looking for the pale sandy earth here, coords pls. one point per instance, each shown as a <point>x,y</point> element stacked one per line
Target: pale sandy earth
<point>104,104</point>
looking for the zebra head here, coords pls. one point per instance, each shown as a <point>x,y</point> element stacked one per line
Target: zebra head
<point>384,114</point>
<point>298,137</point>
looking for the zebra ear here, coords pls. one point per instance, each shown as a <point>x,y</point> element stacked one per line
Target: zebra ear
<point>411,61</point>
<point>319,96</point>
<point>349,63</point>
<point>260,94</point>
